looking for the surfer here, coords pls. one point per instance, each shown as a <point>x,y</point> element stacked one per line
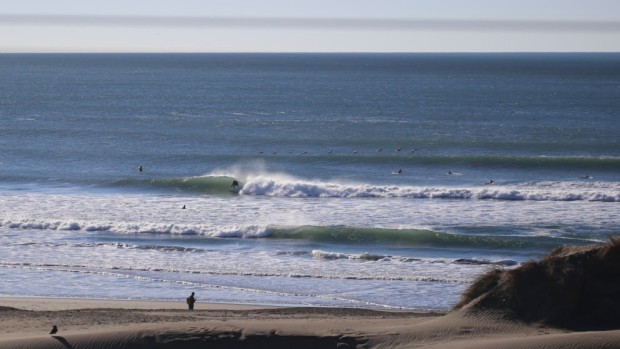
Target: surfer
<point>183,207</point>
<point>490,182</point>
<point>140,168</point>
<point>235,184</point>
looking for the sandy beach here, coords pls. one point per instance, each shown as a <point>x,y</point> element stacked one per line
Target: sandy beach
<point>26,322</point>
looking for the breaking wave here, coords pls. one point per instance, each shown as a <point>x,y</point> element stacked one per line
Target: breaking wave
<point>222,185</point>
<point>325,234</point>
<point>282,185</point>
<point>538,191</point>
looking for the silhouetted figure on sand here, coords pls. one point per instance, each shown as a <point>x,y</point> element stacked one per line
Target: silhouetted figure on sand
<point>54,330</point>
<point>190,301</point>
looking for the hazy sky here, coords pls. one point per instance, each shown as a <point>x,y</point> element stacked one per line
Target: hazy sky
<point>309,26</point>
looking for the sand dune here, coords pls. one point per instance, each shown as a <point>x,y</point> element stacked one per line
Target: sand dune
<point>84,324</point>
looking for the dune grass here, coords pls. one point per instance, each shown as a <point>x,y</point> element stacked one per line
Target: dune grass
<point>573,287</point>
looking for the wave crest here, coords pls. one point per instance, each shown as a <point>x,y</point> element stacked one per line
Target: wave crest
<point>536,191</point>
<point>327,234</point>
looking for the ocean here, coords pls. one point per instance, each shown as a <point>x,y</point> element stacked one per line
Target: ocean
<point>382,181</point>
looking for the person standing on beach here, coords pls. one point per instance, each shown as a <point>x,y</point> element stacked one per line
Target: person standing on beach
<point>190,301</point>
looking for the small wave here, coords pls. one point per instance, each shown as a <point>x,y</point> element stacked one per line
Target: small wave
<point>328,255</point>
<point>161,248</point>
<point>473,261</point>
<point>232,231</point>
<point>336,255</point>
<point>327,234</point>
<point>405,237</point>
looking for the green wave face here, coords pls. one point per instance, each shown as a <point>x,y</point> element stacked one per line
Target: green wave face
<point>217,185</point>
<point>406,237</point>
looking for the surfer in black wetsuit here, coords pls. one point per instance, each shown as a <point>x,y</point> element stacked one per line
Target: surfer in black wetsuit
<point>235,184</point>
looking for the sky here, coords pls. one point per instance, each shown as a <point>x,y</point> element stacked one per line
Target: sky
<point>310,26</point>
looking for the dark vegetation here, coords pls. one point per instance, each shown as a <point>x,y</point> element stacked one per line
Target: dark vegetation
<point>571,287</point>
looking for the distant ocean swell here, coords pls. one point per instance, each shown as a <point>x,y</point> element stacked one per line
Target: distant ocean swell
<point>582,163</point>
<point>287,186</point>
<point>325,234</point>
<point>408,158</point>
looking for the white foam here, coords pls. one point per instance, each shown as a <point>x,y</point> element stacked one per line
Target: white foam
<point>287,186</point>
<point>227,231</point>
<point>259,181</point>
<point>530,206</point>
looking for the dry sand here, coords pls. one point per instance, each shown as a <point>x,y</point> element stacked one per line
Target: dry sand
<point>26,322</point>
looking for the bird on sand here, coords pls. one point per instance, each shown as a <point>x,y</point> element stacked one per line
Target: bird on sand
<point>54,330</point>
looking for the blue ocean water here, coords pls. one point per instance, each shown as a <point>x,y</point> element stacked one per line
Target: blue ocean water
<point>365,180</point>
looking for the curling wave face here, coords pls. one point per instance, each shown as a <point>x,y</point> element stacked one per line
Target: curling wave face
<point>283,185</point>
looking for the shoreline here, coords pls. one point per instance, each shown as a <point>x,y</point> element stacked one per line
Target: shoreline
<point>41,303</point>
<point>93,324</point>
<point>67,303</point>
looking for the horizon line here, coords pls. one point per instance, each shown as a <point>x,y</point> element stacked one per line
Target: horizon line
<point>314,23</point>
